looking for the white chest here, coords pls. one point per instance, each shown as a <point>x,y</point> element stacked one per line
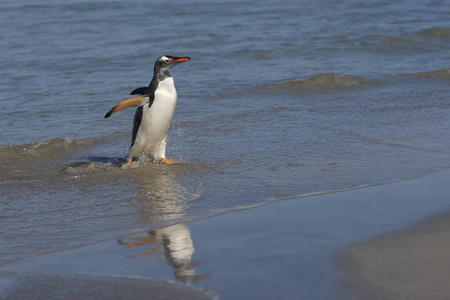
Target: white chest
<point>164,102</point>
<point>156,118</point>
<point>166,90</point>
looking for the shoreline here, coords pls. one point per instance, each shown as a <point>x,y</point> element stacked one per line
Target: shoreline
<point>280,249</point>
<point>219,213</point>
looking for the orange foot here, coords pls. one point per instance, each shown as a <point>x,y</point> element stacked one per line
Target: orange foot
<point>168,161</point>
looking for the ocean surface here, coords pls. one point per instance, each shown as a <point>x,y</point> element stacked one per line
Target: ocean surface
<point>280,99</point>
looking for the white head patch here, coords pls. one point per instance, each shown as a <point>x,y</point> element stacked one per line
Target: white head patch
<point>164,58</point>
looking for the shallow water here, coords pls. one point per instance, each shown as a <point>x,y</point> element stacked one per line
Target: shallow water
<point>280,99</point>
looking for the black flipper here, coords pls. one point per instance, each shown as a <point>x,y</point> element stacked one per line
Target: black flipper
<point>109,113</point>
<point>136,123</point>
<point>139,91</point>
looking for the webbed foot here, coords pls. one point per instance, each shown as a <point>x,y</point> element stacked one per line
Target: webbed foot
<point>169,162</point>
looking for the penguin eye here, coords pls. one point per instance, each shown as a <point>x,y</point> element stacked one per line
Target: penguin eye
<point>166,61</point>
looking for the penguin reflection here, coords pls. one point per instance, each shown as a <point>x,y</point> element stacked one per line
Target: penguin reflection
<point>178,248</point>
<point>160,196</point>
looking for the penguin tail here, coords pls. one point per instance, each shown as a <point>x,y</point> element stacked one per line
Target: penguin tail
<point>132,102</point>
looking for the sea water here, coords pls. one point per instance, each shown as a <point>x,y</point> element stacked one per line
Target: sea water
<point>280,99</point>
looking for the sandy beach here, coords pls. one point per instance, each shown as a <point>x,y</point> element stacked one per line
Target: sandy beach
<point>408,264</point>
<point>378,242</point>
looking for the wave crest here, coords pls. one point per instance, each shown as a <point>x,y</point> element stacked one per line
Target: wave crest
<point>439,75</point>
<point>42,150</point>
<point>440,33</point>
<point>323,82</point>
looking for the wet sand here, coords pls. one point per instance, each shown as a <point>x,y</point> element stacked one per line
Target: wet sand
<point>345,245</point>
<point>409,264</point>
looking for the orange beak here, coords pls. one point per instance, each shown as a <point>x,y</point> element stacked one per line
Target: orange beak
<point>181,59</point>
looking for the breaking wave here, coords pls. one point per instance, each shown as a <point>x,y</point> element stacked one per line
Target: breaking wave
<point>439,75</point>
<point>439,33</point>
<point>323,82</point>
<point>42,150</point>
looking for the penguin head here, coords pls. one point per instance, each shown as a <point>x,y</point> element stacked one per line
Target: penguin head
<point>167,62</point>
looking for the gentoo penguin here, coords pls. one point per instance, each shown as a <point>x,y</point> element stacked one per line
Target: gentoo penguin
<point>154,113</point>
